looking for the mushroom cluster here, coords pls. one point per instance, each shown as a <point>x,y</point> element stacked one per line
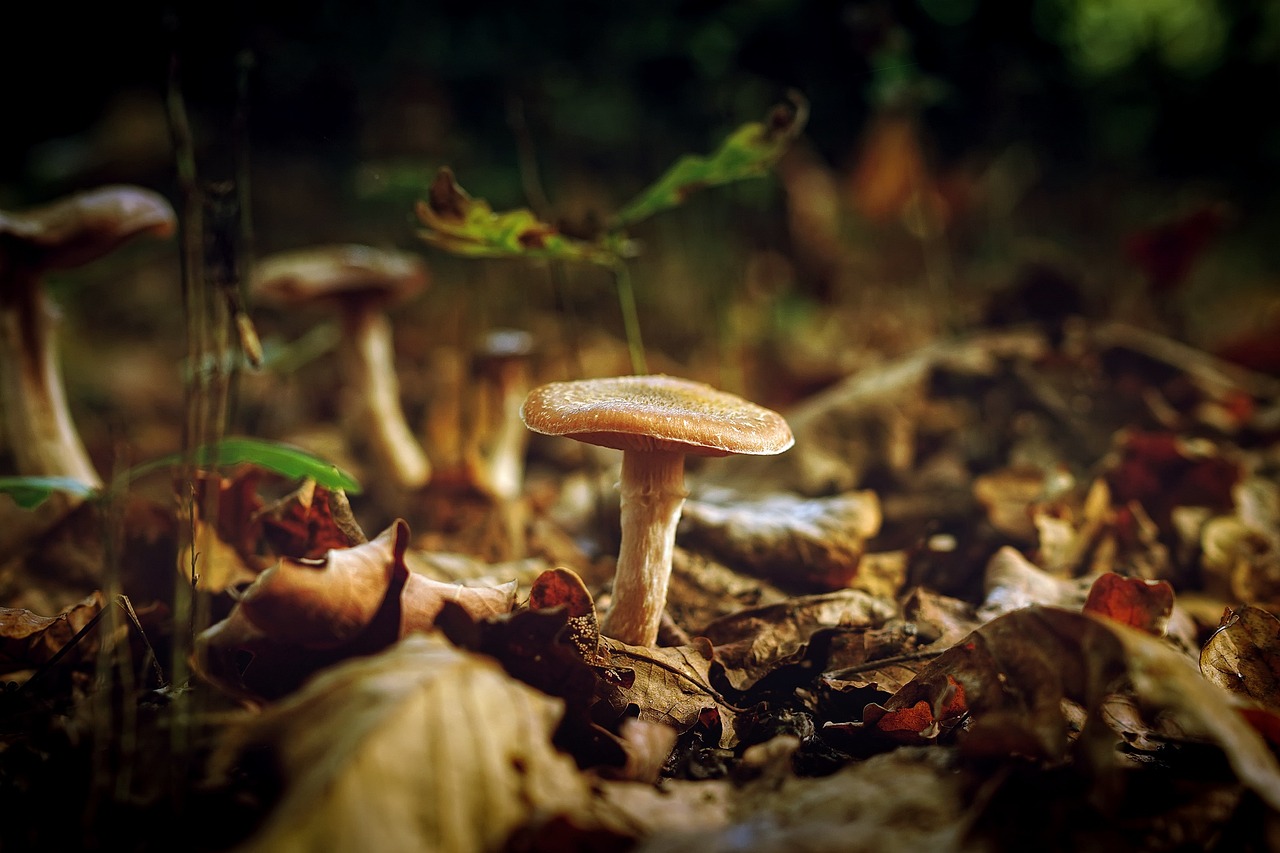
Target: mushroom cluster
<point>655,421</point>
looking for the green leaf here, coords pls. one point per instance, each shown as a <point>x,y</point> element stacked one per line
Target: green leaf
<point>749,152</point>
<point>462,225</point>
<point>283,459</point>
<point>30,492</point>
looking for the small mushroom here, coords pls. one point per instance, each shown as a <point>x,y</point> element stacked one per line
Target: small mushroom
<point>655,421</point>
<point>361,282</point>
<point>502,366</point>
<point>67,233</point>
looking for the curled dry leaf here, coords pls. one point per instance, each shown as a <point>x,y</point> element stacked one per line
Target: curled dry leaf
<point>1015,672</point>
<point>1012,582</point>
<point>798,542</point>
<point>556,646</point>
<point>300,615</point>
<point>28,640</point>
<point>421,747</point>
<point>309,522</point>
<point>753,643</point>
<point>1243,657</point>
<point>1142,604</point>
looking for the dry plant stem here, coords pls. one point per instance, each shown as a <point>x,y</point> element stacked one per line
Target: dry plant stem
<point>372,375</point>
<point>41,433</point>
<point>653,495</point>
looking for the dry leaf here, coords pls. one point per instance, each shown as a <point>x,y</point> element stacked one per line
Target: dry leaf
<point>1016,670</point>
<point>1243,657</point>
<point>751,644</point>
<point>908,799</point>
<point>668,684</point>
<point>302,615</point>
<point>804,543</point>
<point>1142,604</point>
<point>28,640</point>
<point>1012,582</point>
<point>421,747</point>
<point>304,522</point>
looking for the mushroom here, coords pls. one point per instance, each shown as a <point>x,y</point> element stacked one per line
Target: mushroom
<point>360,282</point>
<point>66,233</point>
<point>502,366</point>
<point>655,421</point>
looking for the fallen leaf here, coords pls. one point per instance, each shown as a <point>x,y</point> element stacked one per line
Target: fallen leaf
<point>1243,657</point>
<point>667,684</point>
<point>908,799</point>
<point>304,524</point>
<point>421,747</point>
<point>28,640</point>
<point>1142,604</point>
<point>1012,582</point>
<point>797,542</point>
<point>753,643</point>
<point>302,615</point>
<point>1016,671</point>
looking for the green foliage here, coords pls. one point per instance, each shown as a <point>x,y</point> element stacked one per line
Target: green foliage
<point>466,226</point>
<point>275,456</point>
<point>280,458</point>
<point>30,492</point>
<point>462,225</point>
<point>749,152</point>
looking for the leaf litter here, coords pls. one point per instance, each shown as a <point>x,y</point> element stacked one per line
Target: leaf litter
<point>1010,589</point>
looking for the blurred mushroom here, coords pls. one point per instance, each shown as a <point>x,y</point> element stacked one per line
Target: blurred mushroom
<point>360,282</point>
<point>63,234</point>
<point>655,421</point>
<point>502,366</point>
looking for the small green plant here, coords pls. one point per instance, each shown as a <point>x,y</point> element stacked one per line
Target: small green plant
<point>280,458</point>
<point>461,225</point>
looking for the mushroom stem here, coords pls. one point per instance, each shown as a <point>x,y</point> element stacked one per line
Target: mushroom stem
<point>41,433</point>
<point>370,362</point>
<point>653,496</point>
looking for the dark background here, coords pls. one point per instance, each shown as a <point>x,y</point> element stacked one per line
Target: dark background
<point>1109,117</point>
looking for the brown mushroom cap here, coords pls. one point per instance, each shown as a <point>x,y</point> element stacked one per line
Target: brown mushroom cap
<point>82,227</point>
<point>658,412</point>
<point>339,273</point>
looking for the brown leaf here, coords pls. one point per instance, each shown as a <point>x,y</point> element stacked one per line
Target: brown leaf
<point>1017,670</point>
<point>28,640</point>
<point>301,615</point>
<point>303,523</point>
<point>804,543</point>
<point>1012,582</point>
<point>753,643</point>
<point>665,684</point>
<point>421,747</point>
<point>1142,604</point>
<point>1243,657</point>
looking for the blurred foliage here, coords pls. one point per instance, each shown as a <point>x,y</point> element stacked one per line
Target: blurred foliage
<point>1172,86</point>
